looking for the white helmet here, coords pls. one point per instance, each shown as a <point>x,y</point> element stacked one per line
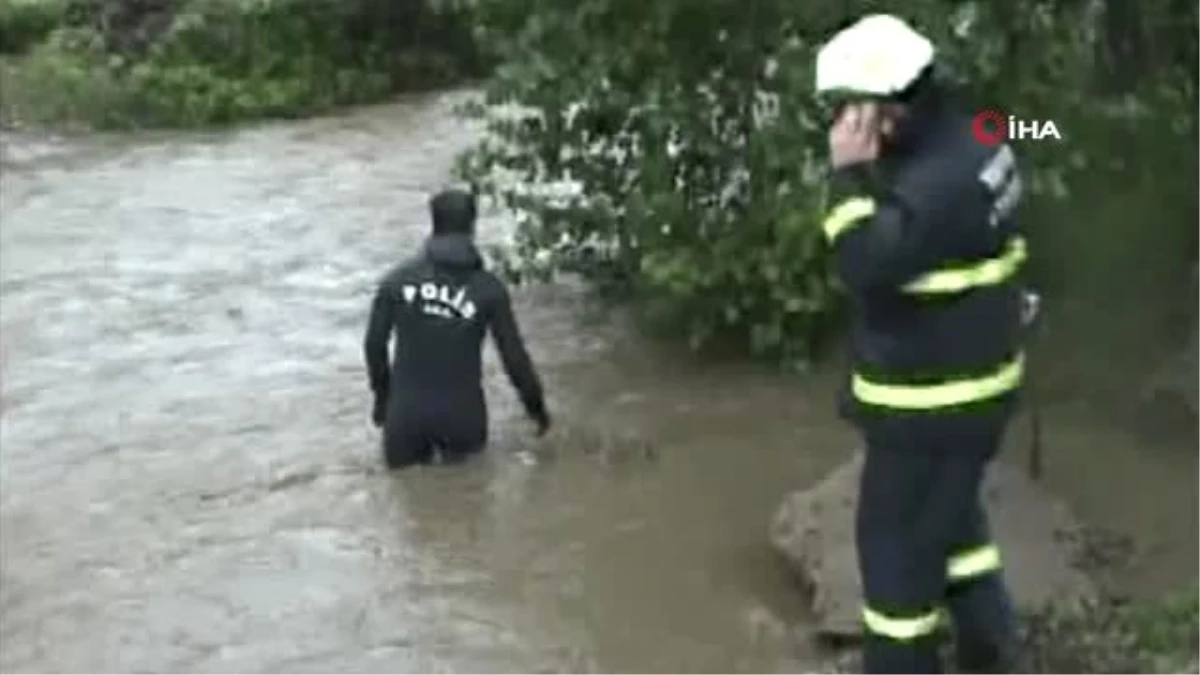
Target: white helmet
<point>879,55</point>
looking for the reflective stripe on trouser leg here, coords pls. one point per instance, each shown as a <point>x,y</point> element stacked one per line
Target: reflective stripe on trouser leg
<point>973,563</point>
<point>901,628</point>
<point>985,630</point>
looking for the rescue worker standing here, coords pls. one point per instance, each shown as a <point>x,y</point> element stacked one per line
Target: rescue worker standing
<point>923,237</point>
<point>439,306</point>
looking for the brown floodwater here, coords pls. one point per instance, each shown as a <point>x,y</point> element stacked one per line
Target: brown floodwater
<point>189,481</point>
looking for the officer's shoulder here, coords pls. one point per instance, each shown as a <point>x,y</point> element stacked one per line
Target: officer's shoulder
<point>930,174</point>
<point>490,286</point>
<point>951,162</point>
<point>402,272</point>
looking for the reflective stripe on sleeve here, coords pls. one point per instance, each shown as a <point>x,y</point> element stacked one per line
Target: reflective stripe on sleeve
<point>945,394</point>
<point>985,273</point>
<point>903,629</point>
<point>974,562</point>
<point>846,214</point>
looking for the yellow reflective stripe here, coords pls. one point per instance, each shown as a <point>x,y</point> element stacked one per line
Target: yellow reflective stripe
<point>973,563</point>
<point>901,629</point>
<point>846,214</point>
<point>921,397</point>
<point>985,273</point>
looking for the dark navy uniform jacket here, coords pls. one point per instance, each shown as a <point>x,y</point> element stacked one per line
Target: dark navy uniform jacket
<point>926,242</point>
<point>440,305</point>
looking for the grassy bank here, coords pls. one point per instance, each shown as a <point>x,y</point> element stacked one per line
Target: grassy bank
<point>186,63</point>
<point>1115,637</point>
<point>1103,636</point>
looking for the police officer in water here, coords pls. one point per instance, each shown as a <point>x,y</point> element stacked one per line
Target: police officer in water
<point>439,306</point>
<point>922,231</point>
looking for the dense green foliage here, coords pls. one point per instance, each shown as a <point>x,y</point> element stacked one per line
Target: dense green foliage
<point>24,23</point>
<point>690,130</point>
<point>183,63</point>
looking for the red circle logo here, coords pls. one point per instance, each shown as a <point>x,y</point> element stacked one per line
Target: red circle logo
<point>990,127</point>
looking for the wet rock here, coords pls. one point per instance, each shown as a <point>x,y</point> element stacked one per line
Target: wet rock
<point>1100,552</point>
<point>814,531</point>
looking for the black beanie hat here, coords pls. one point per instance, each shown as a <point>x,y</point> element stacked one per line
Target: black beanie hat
<point>453,212</point>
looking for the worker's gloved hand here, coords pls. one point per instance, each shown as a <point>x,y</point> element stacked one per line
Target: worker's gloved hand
<point>1031,307</point>
<point>379,411</point>
<point>541,418</point>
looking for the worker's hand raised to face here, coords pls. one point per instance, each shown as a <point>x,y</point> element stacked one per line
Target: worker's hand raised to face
<point>854,137</point>
<point>379,412</point>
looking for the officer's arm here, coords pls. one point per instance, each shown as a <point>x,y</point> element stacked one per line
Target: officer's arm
<point>878,240</point>
<point>375,343</point>
<point>514,356</point>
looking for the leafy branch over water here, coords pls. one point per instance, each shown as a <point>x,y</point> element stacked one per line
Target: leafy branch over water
<point>673,150</point>
<point>129,63</point>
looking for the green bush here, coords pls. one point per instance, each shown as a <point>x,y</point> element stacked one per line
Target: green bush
<point>215,61</point>
<point>693,140</point>
<point>687,129</point>
<point>66,80</point>
<point>24,23</point>
<point>1169,629</point>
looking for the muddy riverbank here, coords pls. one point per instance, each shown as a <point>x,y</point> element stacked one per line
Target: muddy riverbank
<point>188,478</point>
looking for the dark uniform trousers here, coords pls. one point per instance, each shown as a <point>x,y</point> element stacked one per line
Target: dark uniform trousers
<point>925,552</point>
<point>413,436</point>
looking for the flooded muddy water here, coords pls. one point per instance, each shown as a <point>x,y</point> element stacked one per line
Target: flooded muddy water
<point>190,481</point>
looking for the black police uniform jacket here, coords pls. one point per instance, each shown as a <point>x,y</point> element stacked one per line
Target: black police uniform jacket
<point>927,245</point>
<point>440,305</point>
